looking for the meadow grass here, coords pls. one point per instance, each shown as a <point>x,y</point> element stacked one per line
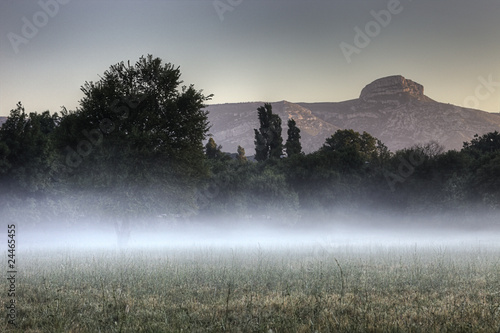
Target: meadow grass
<point>285,289</point>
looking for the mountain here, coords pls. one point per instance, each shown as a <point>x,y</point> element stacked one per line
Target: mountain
<point>392,109</point>
<point>2,120</point>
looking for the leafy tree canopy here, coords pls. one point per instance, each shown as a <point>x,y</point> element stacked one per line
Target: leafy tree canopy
<point>349,139</point>
<point>137,137</point>
<point>353,149</point>
<point>26,150</point>
<point>487,143</point>
<point>214,151</point>
<point>241,157</point>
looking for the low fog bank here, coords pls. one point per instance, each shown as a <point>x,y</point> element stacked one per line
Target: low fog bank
<point>260,233</point>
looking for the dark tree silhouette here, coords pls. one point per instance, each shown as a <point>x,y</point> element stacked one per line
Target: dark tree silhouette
<point>487,143</point>
<point>26,151</point>
<point>293,145</point>
<point>268,140</point>
<point>135,142</point>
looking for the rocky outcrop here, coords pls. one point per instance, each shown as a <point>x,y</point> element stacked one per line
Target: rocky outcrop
<point>392,87</point>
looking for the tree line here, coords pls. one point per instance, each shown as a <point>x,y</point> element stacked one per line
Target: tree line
<point>134,148</point>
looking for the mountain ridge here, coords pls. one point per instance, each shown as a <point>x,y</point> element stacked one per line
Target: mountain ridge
<point>393,109</point>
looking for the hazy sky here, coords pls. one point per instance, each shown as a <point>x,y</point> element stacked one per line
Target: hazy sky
<point>253,50</point>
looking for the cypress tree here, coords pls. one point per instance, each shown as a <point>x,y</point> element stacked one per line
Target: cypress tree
<point>293,145</point>
<point>268,140</point>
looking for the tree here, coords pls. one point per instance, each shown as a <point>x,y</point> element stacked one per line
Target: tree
<point>4,162</point>
<point>486,180</point>
<point>353,149</point>
<point>484,168</point>
<point>382,155</point>
<point>212,150</point>
<point>453,174</point>
<point>293,145</point>
<point>261,147</point>
<point>487,143</point>
<point>241,155</point>
<point>135,142</point>
<point>349,139</point>
<point>26,151</point>
<point>268,140</point>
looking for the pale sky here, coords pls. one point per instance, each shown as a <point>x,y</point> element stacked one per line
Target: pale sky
<point>253,50</point>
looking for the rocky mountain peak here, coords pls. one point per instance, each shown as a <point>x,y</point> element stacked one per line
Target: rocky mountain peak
<point>392,87</point>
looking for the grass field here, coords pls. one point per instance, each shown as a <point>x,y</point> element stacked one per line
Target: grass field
<point>255,289</point>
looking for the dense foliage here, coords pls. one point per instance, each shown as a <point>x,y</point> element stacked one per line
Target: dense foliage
<point>268,140</point>
<point>293,145</point>
<point>135,148</point>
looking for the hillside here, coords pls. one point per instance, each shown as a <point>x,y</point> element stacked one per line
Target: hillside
<point>393,109</point>
<point>233,124</point>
